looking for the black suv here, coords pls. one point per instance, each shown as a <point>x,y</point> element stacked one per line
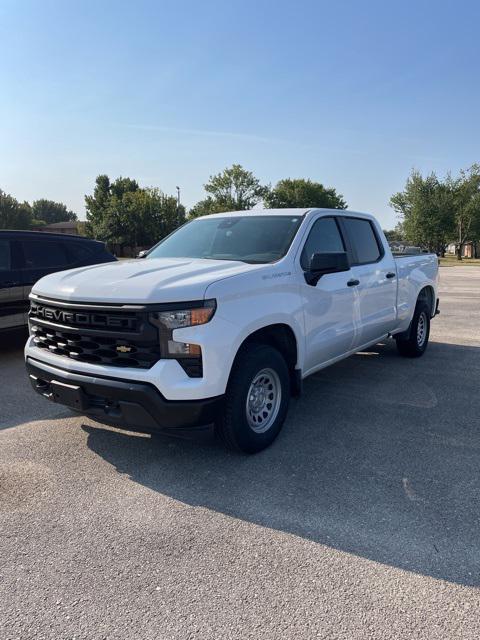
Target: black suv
<point>27,256</point>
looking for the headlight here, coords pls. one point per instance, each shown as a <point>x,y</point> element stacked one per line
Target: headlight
<point>178,319</point>
<point>188,354</point>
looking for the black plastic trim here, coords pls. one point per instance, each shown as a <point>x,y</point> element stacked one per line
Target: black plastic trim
<point>137,406</point>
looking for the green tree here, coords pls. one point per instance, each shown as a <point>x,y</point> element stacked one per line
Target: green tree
<point>395,235</point>
<point>149,215</point>
<point>436,212</point>
<point>124,214</point>
<point>14,214</point>
<point>427,211</point>
<point>96,205</point>
<point>466,198</point>
<point>104,207</point>
<point>207,206</point>
<point>50,211</point>
<point>121,186</point>
<point>293,193</point>
<point>234,189</point>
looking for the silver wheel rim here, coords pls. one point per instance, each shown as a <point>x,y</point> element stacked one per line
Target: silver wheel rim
<point>263,400</point>
<point>421,329</point>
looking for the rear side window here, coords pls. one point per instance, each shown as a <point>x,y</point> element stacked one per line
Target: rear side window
<point>44,254</point>
<point>324,237</point>
<point>363,240</point>
<point>79,251</point>
<point>5,255</point>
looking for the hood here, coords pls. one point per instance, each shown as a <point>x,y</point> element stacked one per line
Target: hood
<point>148,281</point>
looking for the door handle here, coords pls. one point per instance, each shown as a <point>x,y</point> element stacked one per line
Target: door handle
<point>10,284</point>
<point>353,283</point>
<point>390,274</point>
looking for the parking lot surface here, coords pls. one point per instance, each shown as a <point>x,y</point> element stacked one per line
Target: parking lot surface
<point>361,521</point>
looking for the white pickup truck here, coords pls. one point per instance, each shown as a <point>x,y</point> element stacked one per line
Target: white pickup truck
<point>224,319</point>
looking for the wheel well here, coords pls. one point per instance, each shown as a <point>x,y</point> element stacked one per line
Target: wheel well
<point>282,338</point>
<point>427,294</point>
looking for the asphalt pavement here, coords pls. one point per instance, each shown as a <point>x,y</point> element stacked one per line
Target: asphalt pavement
<point>361,521</point>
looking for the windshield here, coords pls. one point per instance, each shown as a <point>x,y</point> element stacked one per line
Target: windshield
<point>255,239</point>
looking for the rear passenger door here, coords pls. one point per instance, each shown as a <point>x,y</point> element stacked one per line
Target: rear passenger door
<point>80,253</point>
<point>41,257</point>
<point>375,274</point>
<point>85,252</point>
<point>11,290</point>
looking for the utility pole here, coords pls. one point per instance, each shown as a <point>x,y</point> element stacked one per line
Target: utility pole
<point>178,196</point>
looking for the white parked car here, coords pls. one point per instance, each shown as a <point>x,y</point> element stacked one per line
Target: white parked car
<point>224,319</point>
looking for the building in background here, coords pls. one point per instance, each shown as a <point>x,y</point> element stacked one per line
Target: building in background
<point>70,227</point>
<point>470,249</point>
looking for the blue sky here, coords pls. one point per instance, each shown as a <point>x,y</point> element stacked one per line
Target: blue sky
<point>352,94</point>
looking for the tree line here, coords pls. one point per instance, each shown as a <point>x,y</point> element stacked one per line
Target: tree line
<point>124,214</point>
<point>436,212</point>
<point>433,212</point>
<point>121,213</point>
<point>23,215</point>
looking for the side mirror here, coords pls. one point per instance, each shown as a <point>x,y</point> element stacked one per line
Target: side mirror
<point>323,263</point>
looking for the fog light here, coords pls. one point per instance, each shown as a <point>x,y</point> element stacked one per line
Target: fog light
<point>185,349</point>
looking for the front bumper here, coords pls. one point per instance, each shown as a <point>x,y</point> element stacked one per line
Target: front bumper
<point>137,406</point>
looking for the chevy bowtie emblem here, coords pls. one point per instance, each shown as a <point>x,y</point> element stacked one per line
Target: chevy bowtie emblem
<point>124,349</point>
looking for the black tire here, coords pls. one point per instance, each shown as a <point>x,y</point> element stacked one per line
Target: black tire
<point>240,425</point>
<point>414,343</point>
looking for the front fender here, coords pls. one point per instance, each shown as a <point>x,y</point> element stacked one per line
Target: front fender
<point>244,305</point>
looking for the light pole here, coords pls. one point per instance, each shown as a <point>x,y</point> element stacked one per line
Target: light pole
<point>178,206</point>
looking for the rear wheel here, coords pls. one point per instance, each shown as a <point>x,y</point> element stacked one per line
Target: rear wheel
<point>415,342</point>
<point>256,401</point>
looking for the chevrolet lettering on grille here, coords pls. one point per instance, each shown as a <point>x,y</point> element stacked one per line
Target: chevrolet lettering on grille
<point>81,318</point>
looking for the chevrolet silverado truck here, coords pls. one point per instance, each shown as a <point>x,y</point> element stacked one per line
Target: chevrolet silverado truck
<point>224,319</point>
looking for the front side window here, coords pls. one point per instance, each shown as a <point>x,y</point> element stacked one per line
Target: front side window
<point>324,237</point>
<point>363,239</point>
<point>44,254</point>
<point>252,239</point>
<point>5,255</point>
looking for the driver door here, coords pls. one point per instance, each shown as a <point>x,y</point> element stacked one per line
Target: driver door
<point>329,305</point>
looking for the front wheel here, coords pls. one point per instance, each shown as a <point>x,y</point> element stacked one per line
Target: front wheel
<point>414,345</point>
<point>256,400</point>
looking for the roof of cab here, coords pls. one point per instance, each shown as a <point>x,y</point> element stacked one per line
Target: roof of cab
<point>287,212</point>
<point>259,212</point>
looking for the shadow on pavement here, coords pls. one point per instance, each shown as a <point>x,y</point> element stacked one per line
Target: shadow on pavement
<point>18,402</point>
<point>379,458</point>
<point>12,341</point>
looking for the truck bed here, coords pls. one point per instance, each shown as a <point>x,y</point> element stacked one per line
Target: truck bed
<point>412,271</point>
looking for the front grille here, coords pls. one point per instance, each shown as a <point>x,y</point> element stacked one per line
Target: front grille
<point>115,338</point>
<point>95,349</point>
